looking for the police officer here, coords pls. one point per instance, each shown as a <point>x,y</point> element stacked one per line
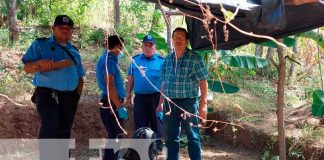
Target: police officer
<point>110,82</point>
<point>148,70</point>
<point>56,65</point>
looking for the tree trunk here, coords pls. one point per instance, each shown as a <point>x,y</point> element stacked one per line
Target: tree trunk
<point>13,30</point>
<point>169,36</point>
<point>167,19</point>
<point>1,20</point>
<point>258,50</point>
<point>259,53</point>
<point>291,73</point>
<point>280,103</point>
<point>117,13</point>
<point>270,57</point>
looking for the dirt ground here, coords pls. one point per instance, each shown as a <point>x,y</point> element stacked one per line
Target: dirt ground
<point>23,122</point>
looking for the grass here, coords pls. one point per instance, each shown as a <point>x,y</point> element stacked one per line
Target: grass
<point>260,88</point>
<point>248,102</point>
<point>310,132</point>
<point>252,119</point>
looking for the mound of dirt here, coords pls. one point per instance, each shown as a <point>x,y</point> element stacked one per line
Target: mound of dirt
<point>23,121</point>
<point>17,121</point>
<point>263,137</point>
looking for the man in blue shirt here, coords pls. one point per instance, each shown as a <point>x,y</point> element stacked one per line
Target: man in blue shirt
<point>183,74</point>
<point>144,76</point>
<point>113,92</point>
<point>56,65</point>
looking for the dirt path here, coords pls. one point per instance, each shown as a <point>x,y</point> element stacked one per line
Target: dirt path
<point>217,151</point>
<point>220,151</point>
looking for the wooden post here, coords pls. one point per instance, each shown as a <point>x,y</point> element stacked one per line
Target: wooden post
<point>168,15</point>
<point>280,103</point>
<point>13,30</point>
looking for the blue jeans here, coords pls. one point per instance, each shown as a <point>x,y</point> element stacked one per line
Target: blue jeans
<point>172,127</point>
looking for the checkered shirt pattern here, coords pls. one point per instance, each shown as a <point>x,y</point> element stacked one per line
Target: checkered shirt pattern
<point>181,77</point>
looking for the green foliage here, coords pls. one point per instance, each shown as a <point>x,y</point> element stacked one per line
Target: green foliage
<point>275,158</point>
<point>318,133</point>
<point>288,41</point>
<point>228,15</point>
<point>222,87</point>
<point>139,13</point>
<point>267,154</point>
<point>14,84</point>
<point>137,18</point>
<point>3,7</point>
<point>296,154</point>
<point>318,103</point>
<point>160,41</point>
<point>25,39</point>
<point>93,57</point>
<point>234,75</point>
<point>157,25</point>
<point>223,53</point>
<point>44,11</point>
<point>91,36</point>
<point>244,61</point>
<point>4,38</point>
<point>311,132</point>
<point>252,119</point>
<point>318,38</point>
<point>258,88</point>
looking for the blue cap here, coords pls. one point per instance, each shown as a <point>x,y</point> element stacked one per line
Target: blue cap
<point>149,38</point>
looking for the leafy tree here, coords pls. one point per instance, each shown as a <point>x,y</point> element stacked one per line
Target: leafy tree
<point>43,11</point>
<point>137,18</point>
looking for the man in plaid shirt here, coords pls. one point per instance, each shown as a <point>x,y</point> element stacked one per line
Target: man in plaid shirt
<point>183,74</point>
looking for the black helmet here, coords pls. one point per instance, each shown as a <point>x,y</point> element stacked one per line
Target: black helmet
<point>142,133</point>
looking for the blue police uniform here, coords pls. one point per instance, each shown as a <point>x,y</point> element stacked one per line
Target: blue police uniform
<point>48,48</point>
<point>106,115</point>
<point>147,97</point>
<point>153,70</point>
<point>113,69</point>
<point>55,96</point>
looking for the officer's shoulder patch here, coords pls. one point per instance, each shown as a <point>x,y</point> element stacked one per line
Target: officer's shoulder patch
<point>42,39</point>
<point>160,56</point>
<point>136,55</point>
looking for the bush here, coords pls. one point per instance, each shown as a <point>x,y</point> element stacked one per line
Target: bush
<point>97,36</point>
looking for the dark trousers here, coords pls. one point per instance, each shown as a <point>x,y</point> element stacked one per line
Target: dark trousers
<point>112,128</point>
<point>56,110</point>
<point>145,113</point>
